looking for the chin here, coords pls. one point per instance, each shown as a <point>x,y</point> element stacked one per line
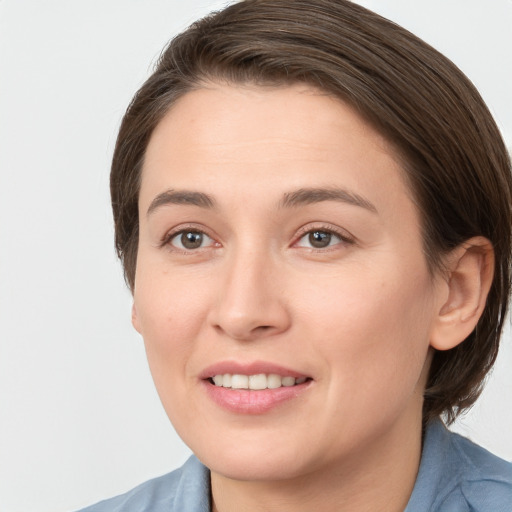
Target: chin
<point>254,468</point>
<point>259,460</point>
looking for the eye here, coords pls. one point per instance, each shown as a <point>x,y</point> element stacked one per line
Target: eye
<point>320,239</point>
<point>190,240</point>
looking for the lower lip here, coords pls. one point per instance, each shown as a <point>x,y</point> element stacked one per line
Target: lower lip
<point>246,401</point>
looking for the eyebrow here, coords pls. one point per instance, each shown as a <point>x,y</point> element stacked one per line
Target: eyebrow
<point>305,196</point>
<point>293,199</point>
<point>183,197</point>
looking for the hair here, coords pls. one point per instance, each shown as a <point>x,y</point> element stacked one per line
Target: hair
<point>451,151</point>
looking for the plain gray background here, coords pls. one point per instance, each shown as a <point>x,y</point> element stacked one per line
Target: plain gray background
<point>79,419</point>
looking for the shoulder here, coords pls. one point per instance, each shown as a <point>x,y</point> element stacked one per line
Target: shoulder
<point>458,475</point>
<point>485,481</point>
<point>186,489</point>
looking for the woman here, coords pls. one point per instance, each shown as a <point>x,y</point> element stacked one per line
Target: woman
<point>313,211</point>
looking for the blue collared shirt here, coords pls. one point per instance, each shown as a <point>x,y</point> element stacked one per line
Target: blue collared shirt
<point>455,475</point>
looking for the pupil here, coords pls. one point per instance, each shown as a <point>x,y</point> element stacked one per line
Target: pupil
<point>319,239</point>
<point>192,239</point>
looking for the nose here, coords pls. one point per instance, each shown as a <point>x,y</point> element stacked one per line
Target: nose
<point>251,303</point>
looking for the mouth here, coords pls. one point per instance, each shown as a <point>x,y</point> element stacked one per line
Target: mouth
<point>253,388</point>
<point>256,382</point>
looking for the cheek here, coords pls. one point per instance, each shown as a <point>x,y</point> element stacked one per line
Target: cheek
<point>171,314</point>
<point>373,332</point>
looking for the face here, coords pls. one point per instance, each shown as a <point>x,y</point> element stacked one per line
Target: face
<point>280,251</point>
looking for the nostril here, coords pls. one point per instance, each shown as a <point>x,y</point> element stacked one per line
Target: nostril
<point>249,322</point>
<point>261,330</point>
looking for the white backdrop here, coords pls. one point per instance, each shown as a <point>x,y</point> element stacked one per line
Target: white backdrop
<point>79,419</point>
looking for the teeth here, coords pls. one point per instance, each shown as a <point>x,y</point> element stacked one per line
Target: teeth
<point>226,380</point>
<point>274,381</point>
<point>239,382</point>
<point>255,382</point>
<point>288,381</point>
<point>258,381</point>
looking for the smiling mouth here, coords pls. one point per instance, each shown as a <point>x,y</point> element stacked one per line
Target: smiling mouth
<point>256,382</point>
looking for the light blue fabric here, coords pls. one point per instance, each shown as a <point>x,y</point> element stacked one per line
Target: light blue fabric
<point>185,490</point>
<point>455,475</point>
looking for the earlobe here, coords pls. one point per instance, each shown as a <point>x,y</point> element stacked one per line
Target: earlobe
<point>470,270</point>
<point>135,319</point>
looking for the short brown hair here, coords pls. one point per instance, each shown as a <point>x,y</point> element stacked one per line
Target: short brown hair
<point>452,153</point>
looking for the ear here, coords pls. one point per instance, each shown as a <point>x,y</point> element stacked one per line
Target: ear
<point>470,271</point>
<point>135,319</point>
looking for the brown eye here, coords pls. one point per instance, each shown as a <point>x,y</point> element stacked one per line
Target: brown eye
<point>323,238</point>
<point>319,239</point>
<point>190,240</point>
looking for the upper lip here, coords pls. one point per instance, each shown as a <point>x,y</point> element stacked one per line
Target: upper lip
<point>252,368</point>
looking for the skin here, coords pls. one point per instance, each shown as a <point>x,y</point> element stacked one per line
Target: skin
<point>359,317</point>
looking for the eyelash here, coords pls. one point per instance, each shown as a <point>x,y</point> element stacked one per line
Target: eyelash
<point>344,238</point>
<point>170,236</point>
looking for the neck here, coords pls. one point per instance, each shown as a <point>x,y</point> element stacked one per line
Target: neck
<point>379,477</point>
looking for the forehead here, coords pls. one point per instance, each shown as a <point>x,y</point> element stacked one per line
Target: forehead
<point>265,137</point>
